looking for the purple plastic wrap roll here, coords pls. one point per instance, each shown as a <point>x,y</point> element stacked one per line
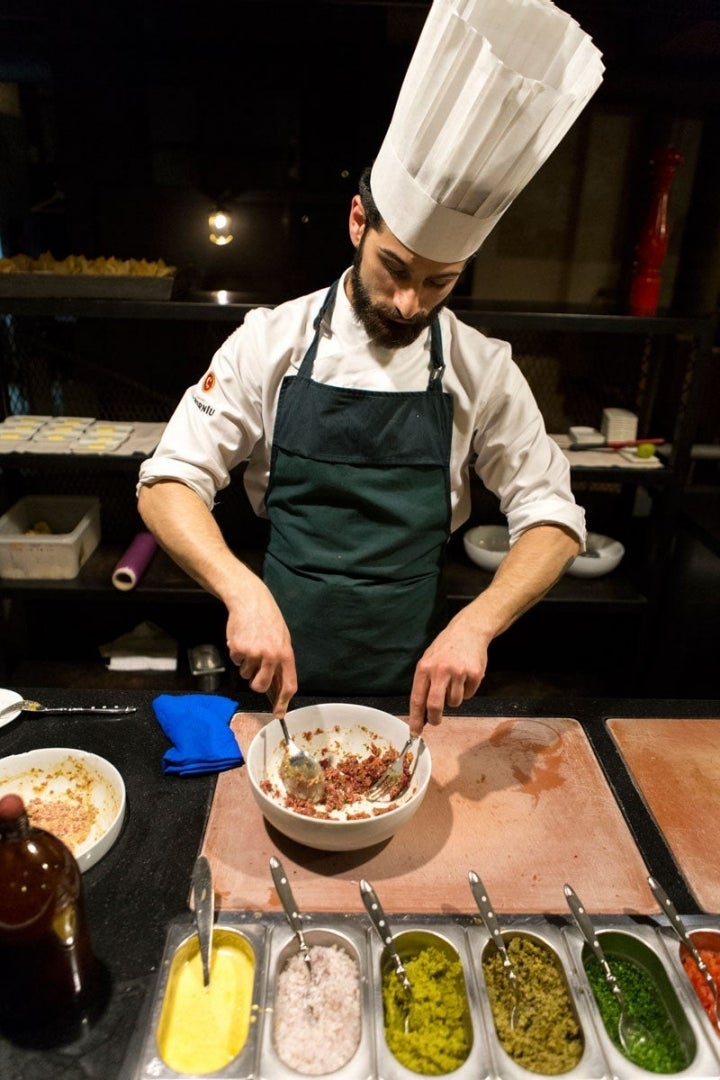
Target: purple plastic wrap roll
<point>134,562</point>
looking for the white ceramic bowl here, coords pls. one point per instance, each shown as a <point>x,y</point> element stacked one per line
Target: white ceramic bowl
<point>603,555</point>
<point>487,545</point>
<point>340,729</point>
<point>58,774</point>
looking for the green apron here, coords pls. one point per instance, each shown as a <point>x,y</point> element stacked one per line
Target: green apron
<point>359,508</point>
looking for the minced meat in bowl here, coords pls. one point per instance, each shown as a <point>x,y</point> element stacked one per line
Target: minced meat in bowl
<point>352,743</point>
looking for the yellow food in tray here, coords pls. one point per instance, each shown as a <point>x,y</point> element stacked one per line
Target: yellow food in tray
<point>202,1028</point>
<point>79,264</point>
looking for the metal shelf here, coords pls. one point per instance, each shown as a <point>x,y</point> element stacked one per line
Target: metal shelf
<point>474,312</point>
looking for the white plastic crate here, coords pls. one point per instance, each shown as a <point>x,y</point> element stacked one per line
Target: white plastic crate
<point>74,523</point>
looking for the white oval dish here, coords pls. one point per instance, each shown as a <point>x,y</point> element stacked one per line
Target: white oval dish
<point>61,775</point>
<point>604,555</point>
<point>336,729</point>
<point>487,545</point>
<point>7,698</point>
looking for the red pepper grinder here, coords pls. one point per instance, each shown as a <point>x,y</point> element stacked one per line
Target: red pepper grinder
<point>652,245</point>
<point>51,984</point>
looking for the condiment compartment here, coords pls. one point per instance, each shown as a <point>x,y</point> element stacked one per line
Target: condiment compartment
<point>640,944</point>
<point>705,934</point>
<point>538,932</point>
<point>73,532</point>
<point>412,938</point>
<point>246,941</point>
<point>283,949</point>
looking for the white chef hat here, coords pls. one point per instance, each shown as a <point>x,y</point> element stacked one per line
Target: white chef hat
<point>492,88</point>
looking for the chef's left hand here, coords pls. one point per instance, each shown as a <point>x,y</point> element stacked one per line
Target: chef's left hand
<point>453,665</point>
<point>449,671</point>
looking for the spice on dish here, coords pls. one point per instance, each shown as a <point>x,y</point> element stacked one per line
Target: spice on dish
<point>440,1035</point>
<point>664,1052</point>
<point>711,958</point>
<point>547,1037</point>
<point>62,802</point>
<point>317,1020</point>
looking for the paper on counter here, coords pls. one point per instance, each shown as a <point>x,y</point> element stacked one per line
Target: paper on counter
<point>146,648</point>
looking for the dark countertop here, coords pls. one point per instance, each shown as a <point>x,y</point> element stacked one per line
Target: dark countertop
<point>143,882</point>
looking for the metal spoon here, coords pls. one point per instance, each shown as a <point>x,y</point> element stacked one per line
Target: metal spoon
<point>301,773</point>
<point>493,927</point>
<point>379,921</point>
<point>678,926</point>
<point>27,705</point>
<point>290,907</point>
<point>631,1032</point>
<point>204,908</point>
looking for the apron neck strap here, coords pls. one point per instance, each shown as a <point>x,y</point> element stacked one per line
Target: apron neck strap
<point>306,368</point>
<point>436,357</point>
<point>437,362</point>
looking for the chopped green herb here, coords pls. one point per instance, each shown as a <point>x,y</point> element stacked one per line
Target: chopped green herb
<point>664,1052</point>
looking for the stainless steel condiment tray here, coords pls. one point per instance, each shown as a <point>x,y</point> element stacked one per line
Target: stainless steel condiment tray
<point>641,943</point>
<point>411,936</point>
<point>273,943</point>
<point>592,1065</point>
<point>179,938</point>
<point>705,933</point>
<point>351,936</point>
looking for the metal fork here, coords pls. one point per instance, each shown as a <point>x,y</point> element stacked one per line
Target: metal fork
<point>384,786</point>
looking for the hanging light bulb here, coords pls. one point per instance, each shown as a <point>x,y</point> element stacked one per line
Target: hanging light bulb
<point>220,223</point>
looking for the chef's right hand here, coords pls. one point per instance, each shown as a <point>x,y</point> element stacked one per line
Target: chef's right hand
<point>258,642</point>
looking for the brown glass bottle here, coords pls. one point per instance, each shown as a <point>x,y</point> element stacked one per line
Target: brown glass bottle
<point>51,984</point>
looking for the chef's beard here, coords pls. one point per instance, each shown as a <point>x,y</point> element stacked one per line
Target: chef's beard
<point>384,326</point>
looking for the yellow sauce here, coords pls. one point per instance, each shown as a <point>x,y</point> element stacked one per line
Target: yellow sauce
<point>202,1028</point>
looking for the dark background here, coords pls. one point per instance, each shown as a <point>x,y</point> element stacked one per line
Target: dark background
<point>123,124</point>
<point>138,117</point>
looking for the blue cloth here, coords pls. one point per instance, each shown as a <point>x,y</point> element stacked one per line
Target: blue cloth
<point>198,726</point>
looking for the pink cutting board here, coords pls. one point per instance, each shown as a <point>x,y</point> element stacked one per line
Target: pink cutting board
<point>523,802</point>
<point>675,766</point>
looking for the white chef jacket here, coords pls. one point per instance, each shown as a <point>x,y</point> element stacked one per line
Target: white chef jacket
<point>497,426</point>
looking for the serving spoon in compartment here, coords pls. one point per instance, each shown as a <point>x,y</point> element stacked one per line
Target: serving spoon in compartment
<point>204,909</point>
<point>493,928</point>
<point>632,1033</point>
<point>678,926</point>
<point>290,908</point>
<point>380,923</point>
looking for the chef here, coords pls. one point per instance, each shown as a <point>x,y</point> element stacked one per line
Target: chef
<point>361,408</point>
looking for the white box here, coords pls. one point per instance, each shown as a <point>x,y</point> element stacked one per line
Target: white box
<point>619,425</point>
<point>74,523</point>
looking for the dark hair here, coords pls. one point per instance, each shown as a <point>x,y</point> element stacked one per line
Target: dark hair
<point>373,217</point>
